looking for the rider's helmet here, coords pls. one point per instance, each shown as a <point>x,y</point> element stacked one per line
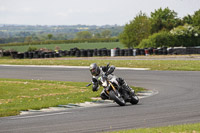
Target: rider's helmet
<point>94,69</point>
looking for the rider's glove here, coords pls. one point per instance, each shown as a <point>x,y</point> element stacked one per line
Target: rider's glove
<point>105,75</point>
<point>95,87</point>
<point>95,84</point>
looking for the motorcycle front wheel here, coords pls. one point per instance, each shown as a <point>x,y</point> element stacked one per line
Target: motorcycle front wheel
<point>117,98</point>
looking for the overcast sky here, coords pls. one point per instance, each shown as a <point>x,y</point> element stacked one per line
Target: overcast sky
<point>88,12</point>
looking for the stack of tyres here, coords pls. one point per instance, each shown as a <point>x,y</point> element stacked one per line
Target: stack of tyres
<point>51,54</point>
<point>170,51</point>
<point>142,52</point>
<point>150,51</point>
<point>122,52</point>
<point>130,52</point>
<point>136,51</point>
<point>20,55</point>
<point>104,52</point>
<point>125,52</point>
<point>13,54</point>
<point>95,52</point>
<point>117,53</point>
<point>83,53</point>
<point>155,51</point>
<point>192,50</point>
<point>67,53</point>
<point>6,53</point>
<point>26,55</point>
<point>35,54</point>
<point>56,55</point>
<point>108,52</point>
<point>42,54</point>
<point>30,55</point>
<point>165,51</point>
<point>90,53</point>
<point>78,53</point>
<point>46,55</point>
<point>99,52</point>
<point>72,52</point>
<point>160,51</point>
<point>62,53</point>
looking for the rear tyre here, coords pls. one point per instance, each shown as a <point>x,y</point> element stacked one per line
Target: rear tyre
<point>117,98</point>
<point>134,100</point>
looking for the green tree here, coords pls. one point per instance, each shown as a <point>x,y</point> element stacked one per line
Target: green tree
<point>106,34</point>
<point>138,29</point>
<point>83,35</point>
<point>28,39</point>
<point>187,19</point>
<point>187,35</point>
<point>97,35</point>
<point>163,19</point>
<point>196,18</point>
<point>49,36</point>
<point>160,39</point>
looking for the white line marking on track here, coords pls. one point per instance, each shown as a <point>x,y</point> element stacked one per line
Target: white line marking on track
<point>42,115</point>
<point>78,67</point>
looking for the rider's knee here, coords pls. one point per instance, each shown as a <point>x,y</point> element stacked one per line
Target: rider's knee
<point>103,96</point>
<point>120,81</point>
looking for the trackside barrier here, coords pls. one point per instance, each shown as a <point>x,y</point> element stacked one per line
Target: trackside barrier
<point>75,52</point>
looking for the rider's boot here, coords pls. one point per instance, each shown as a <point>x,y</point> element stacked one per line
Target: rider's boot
<point>128,89</point>
<point>125,95</point>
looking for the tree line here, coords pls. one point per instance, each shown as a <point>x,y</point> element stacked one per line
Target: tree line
<point>162,29</point>
<point>24,34</point>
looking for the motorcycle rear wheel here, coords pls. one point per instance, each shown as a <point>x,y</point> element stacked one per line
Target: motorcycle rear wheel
<point>134,99</point>
<point>118,99</point>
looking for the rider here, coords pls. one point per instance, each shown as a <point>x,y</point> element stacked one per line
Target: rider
<point>97,71</point>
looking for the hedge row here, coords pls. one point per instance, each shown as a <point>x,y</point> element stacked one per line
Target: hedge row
<point>165,39</point>
<point>61,42</point>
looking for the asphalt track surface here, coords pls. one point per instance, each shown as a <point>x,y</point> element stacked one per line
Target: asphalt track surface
<point>178,102</point>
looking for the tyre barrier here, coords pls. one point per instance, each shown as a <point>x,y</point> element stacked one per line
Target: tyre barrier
<point>75,52</point>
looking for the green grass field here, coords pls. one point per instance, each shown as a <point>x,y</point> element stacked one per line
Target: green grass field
<point>186,128</point>
<point>108,45</point>
<point>178,65</point>
<point>20,95</point>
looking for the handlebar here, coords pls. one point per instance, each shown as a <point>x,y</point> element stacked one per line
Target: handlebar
<point>88,84</point>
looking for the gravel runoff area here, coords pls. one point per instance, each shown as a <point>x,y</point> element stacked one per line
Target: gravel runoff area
<point>148,57</point>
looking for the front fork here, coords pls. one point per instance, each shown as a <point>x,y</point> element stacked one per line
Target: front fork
<point>107,90</point>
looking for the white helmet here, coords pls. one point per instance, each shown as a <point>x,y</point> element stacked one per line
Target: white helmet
<point>94,69</point>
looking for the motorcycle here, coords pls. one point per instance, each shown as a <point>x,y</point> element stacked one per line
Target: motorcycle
<point>114,91</point>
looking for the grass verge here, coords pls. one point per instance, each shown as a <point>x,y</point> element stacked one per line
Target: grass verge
<point>186,128</point>
<point>21,95</point>
<point>108,45</point>
<point>178,65</point>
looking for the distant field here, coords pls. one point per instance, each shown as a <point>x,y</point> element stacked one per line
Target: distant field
<point>108,45</point>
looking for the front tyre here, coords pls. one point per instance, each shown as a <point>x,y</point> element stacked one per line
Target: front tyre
<point>117,98</point>
<point>134,99</point>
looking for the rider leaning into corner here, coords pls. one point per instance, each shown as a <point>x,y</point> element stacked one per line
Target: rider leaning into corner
<point>97,71</point>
